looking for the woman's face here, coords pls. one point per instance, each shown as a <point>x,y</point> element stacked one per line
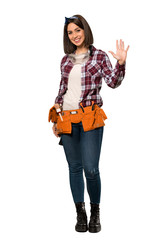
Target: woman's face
<point>75,34</point>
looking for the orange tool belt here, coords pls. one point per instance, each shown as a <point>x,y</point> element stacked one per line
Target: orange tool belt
<point>91,117</point>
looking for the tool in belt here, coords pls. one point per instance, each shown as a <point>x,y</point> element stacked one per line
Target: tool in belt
<point>91,116</point>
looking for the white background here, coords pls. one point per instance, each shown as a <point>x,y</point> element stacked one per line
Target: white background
<point>35,197</point>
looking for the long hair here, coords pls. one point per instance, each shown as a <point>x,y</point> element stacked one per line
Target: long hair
<point>80,21</point>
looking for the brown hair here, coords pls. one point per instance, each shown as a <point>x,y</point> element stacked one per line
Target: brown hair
<point>69,47</point>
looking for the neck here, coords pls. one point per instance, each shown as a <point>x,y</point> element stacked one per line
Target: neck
<point>81,50</point>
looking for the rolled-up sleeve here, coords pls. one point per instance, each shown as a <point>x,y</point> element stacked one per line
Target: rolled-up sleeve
<point>113,77</point>
<point>59,98</point>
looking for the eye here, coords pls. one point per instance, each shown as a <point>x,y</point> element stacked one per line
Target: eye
<point>78,30</point>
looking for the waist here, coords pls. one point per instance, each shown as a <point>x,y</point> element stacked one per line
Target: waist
<point>79,110</point>
<point>71,112</point>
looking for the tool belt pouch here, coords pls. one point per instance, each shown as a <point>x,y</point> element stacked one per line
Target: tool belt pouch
<point>52,115</point>
<point>88,118</point>
<point>93,117</point>
<point>65,125</point>
<point>100,117</point>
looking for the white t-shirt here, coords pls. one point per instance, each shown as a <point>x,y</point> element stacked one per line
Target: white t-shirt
<point>72,96</point>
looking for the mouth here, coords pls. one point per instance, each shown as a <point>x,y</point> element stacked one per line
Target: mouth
<point>77,40</point>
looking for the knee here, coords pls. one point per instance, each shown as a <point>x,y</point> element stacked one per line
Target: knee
<point>91,173</point>
<point>75,168</point>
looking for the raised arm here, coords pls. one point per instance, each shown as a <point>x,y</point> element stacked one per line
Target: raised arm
<point>114,77</point>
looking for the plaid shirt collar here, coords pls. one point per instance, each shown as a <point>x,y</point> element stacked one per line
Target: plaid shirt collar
<point>92,50</point>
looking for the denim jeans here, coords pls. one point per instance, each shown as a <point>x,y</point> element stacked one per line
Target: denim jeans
<point>82,150</point>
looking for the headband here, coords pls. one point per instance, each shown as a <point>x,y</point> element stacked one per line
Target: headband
<point>67,19</point>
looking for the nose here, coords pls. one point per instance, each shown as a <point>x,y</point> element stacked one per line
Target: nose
<point>74,35</point>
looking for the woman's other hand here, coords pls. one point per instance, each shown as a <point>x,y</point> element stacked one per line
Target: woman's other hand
<point>54,128</point>
<point>121,53</point>
<point>56,105</point>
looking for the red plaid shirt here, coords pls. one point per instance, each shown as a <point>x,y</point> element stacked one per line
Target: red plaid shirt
<point>98,67</point>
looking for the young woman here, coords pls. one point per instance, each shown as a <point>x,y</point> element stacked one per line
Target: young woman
<point>82,70</point>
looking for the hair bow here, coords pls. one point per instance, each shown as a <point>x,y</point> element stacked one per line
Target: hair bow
<point>67,19</point>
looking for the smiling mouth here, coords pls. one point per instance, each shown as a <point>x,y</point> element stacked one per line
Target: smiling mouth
<point>77,40</point>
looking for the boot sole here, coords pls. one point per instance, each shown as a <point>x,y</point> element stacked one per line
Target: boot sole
<point>81,228</point>
<point>94,229</point>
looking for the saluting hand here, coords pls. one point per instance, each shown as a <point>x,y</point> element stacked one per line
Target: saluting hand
<point>121,53</point>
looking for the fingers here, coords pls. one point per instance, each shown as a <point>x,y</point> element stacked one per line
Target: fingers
<point>127,48</point>
<point>121,45</point>
<point>56,134</point>
<point>55,130</point>
<point>113,54</point>
<point>56,105</point>
<point>117,46</point>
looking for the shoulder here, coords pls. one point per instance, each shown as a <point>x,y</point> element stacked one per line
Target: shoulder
<point>64,59</point>
<point>99,54</point>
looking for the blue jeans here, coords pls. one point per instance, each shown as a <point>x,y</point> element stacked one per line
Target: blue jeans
<point>82,150</point>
